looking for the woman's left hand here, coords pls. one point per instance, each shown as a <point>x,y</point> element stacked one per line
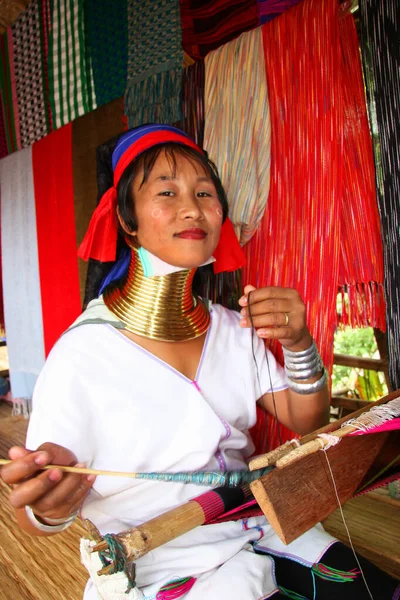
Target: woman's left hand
<point>277,313</point>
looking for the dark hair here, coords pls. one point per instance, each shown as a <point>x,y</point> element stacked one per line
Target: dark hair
<point>147,159</point>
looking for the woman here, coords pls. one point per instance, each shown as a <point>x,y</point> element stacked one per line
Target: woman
<point>151,378</point>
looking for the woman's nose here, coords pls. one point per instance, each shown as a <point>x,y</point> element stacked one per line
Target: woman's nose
<point>189,207</point>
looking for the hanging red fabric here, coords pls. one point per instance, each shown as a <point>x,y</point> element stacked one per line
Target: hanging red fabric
<point>55,222</point>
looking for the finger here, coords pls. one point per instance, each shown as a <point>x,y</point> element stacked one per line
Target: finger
<point>271,292</point>
<point>70,491</point>
<point>244,299</point>
<point>30,491</point>
<point>280,305</point>
<point>22,468</point>
<point>278,319</point>
<point>277,333</point>
<point>18,452</point>
<point>58,455</point>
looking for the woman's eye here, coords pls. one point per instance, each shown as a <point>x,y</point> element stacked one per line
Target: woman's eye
<point>167,193</point>
<point>204,194</point>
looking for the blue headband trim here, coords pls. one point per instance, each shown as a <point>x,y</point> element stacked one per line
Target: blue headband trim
<point>130,137</point>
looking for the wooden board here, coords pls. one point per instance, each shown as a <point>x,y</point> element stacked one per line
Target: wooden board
<point>302,494</point>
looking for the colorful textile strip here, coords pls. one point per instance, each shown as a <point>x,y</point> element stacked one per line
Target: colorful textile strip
<point>297,242</point>
<point>269,9</point>
<point>28,33</point>
<point>106,30</point>
<point>360,263</point>
<point>208,25</point>
<point>176,589</point>
<point>380,30</point>
<point>8,92</point>
<point>155,59</point>
<point>237,134</point>
<point>193,81</point>
<point>70,74</point>
<point>21,287</point>
<point>55,223</point>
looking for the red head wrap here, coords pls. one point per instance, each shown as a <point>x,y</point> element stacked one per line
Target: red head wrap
<point>100,241</point>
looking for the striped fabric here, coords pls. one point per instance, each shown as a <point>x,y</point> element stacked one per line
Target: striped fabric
<point>39,263</point>
<point>380,32</point>
<point>237,131</point>
<point>70,73</point>
<point>298,239</point>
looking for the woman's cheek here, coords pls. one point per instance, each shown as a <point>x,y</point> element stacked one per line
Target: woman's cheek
<point>157,213</point>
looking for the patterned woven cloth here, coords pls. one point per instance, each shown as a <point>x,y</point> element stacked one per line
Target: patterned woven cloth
<point>155,59</point>
<point>208,25</point>
<point>380,31</point>
<point>237,132</point>
<point>70,73</point>
<point>8,92</point>
<point>106,30</point>
<point>29,32</point>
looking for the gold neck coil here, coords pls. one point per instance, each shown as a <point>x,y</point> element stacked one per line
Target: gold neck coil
<point>161,307</point>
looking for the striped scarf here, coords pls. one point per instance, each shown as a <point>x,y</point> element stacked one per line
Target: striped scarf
<point>70,74</point>
<point>237,128</point>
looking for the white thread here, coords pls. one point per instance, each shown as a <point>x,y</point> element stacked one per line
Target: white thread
<point>378,415</point>
<point>294,441</point>
<point>345,525</point>
<point>331,440</point>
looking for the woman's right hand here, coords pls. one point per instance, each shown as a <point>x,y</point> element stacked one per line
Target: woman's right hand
<point>51,493</point>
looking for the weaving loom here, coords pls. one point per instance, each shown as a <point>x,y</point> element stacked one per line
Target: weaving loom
<point>321,483</point>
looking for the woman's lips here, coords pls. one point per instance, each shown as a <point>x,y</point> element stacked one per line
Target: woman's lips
<point>192,234</point>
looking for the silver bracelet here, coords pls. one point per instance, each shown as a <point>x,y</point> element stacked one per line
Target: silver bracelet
<point>59,524</point>
<point>303,365</point>
<point>292,354</point>
<point>308,388</point>
<point>310,364</point>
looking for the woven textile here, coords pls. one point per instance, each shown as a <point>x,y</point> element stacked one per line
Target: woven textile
<point>70,74</point>
<point>28,33</point>
<point>360,263</point>
<point>237,132</point>
<point>155,59</point>
<point>106,30</point>
<point>380,31</point>
<point>193,101</point>
<point>8,92</point>
<point>208,25</point>
<point>269,9</point>
<point>20,270</point>
<point>297,243</point>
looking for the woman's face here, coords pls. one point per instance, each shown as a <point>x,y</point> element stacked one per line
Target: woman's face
<point>178,212</point>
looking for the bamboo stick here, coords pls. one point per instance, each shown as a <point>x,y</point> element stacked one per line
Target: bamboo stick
<point>80,470</point>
